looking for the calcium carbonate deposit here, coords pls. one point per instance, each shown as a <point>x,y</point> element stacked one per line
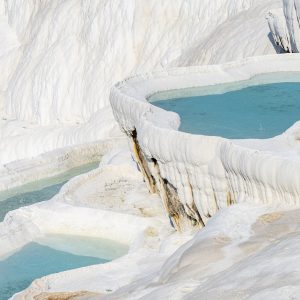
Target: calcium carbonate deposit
<point>200,217</point>
<point>59,59</point>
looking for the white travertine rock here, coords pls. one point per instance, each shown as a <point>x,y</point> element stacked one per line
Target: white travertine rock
<point>244,252</point>
<point>110,202</point>
<point>207,173</point>
<point>58,63</point>
<point>285,26</point>
<point>278,28</point>
<point>53,163</point>
<point>291,9</point>
<point>62,57</point>
<point>73,51</point>
<point>242,35</point>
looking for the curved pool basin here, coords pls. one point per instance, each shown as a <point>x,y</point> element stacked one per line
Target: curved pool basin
<point>38,191</point>
<point>52,254</point>
<point>198,174</point>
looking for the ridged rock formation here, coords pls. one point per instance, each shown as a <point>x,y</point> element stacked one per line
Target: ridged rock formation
<point>196,175</point>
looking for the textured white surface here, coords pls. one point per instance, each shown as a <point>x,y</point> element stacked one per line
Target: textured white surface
<point>53,163</point>
<point>24,140</point>
<point>242,253</point>
<point>109,202</point>
<point>279,30</point>
<point>242,35</point>
<point>285,26</point>
<point>59,59</point>
<point>73,51</point>
<point>83,208</point>
<point>120,208</point>
<point>207,172</point>
<point>58,62</point>
<point>291,9</point>
<point>252,264</point>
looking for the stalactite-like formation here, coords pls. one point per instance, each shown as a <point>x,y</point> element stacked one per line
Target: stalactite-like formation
<point>284,25</point>
<point>168,193</point>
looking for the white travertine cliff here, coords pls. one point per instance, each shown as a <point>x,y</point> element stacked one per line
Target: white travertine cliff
<point>278,28</point>
<point>285,26</point>
<point>197,175</point>
<point>59,59</point>
<point>291,10</point>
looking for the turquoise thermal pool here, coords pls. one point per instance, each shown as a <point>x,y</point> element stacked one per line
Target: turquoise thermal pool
<point>258,111</point>
<point>38,191</point>
<point>53,254</point>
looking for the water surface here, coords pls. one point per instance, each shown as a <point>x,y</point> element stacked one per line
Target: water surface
<point>38,191</point>
<point>259,111</point>
<point>50,255</point>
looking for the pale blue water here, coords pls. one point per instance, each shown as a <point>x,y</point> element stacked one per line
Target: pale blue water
<point>53,253</point>
<point>261,111</point>
<point>38,191</point>
<point>36,260</point>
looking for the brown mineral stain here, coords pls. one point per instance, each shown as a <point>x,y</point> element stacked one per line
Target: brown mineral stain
<point>270,218</point>
<point>64,296</point>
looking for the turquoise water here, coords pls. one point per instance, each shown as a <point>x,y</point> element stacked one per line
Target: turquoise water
<point>38,191</point>
<point>260,111</point>
<point>51,255</point>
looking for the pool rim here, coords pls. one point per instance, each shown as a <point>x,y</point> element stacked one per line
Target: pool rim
<point>169,158</point>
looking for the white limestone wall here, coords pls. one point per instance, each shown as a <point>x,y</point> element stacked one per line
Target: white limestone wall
<point>277,24</point>
<point>284,24</point>
<point>72,51</point>
<point>209,173</point>
<point>53,163</point>
<point>59,59</point>
<point>291,10</point>
<point>242,35</point>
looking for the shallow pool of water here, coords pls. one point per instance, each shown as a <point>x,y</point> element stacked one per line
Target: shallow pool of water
<point>38,191</point>
<point>258,111</point>
<point>53,254</point>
